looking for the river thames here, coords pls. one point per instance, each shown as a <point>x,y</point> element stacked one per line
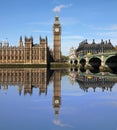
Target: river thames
<point>42,99</point>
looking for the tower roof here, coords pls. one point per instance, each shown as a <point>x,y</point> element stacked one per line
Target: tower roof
<point>57,19</point>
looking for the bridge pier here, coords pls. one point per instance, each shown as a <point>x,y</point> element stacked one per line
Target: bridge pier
<point>87,65</point>
<point>79,65</point>
<point>103,66</point>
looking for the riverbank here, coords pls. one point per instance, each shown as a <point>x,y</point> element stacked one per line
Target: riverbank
<point>51,65</point>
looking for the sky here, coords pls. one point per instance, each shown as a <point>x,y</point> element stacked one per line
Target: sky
<point>80,20</point>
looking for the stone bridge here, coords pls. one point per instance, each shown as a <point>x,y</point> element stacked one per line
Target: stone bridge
<point>102,60</point>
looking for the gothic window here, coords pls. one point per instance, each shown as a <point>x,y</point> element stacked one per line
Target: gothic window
<point>43,54</point>
<point>42,77</point>
<point>8,52</point>
<point>8,57</point>
<point>28,52</point>
<point>28,57</point>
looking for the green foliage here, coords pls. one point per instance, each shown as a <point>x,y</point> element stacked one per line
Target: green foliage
<point>64,58</point>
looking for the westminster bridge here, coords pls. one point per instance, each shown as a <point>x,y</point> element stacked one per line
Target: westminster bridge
<point>104,61</point>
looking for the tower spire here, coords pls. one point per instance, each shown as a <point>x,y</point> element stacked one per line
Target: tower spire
<point>57,19</point>
<point>56,12</point>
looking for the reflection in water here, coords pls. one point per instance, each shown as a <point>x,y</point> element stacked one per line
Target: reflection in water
<point>87,79</point>
<point>57,91</point>
<point>27,79</point>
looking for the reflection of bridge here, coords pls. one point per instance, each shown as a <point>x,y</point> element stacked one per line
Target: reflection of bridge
<point>86,80</point>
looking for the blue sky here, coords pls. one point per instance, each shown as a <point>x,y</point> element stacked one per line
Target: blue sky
<point>80,19</point>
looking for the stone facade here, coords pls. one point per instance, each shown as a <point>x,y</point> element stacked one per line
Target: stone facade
<point>30,53</point>
<point>94,48</point>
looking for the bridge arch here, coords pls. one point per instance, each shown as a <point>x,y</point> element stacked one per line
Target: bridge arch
<point>95,62</point>
<point>111,62</point>
<point>95,56</point>
<point>71,62</point>
<point>83,62</point>
<point>75,62</point>
<point>107,57</point>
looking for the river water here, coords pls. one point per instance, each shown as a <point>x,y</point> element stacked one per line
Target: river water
<point>42,99</point>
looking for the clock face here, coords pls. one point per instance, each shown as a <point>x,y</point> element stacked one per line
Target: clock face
<point>56,101</point>
<point>56,29</point>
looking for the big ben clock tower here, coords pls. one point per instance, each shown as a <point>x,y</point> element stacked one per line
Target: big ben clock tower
<point>57,39</point>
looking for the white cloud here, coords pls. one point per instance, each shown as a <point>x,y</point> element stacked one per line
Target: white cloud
<point>40,100</point>
<point>59,7</point>
<point>113,27</point>
<point>74,94</point>
<point>107,28</point>
<point>73,37</point>
<point>41,31</point>
<point>40,23</point>
<point>59,123</point>
<point>69,21</point>
<point>107,34</point>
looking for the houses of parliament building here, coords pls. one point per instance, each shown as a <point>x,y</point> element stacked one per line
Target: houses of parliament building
<point>30,53</point>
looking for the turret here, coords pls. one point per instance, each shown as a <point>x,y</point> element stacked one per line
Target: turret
<point>20,42</point>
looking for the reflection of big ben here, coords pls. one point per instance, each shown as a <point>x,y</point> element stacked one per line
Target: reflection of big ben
<point>57,92</point>
<point>57,39</point>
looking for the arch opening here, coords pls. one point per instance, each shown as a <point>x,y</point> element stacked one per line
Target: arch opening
<point>75,69</point>
<point>112,63</point>
<point>95,63</point>
<point>83,62</point>
<point>75,62</point>
<point>83,69</point>
<point>71,62</point>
